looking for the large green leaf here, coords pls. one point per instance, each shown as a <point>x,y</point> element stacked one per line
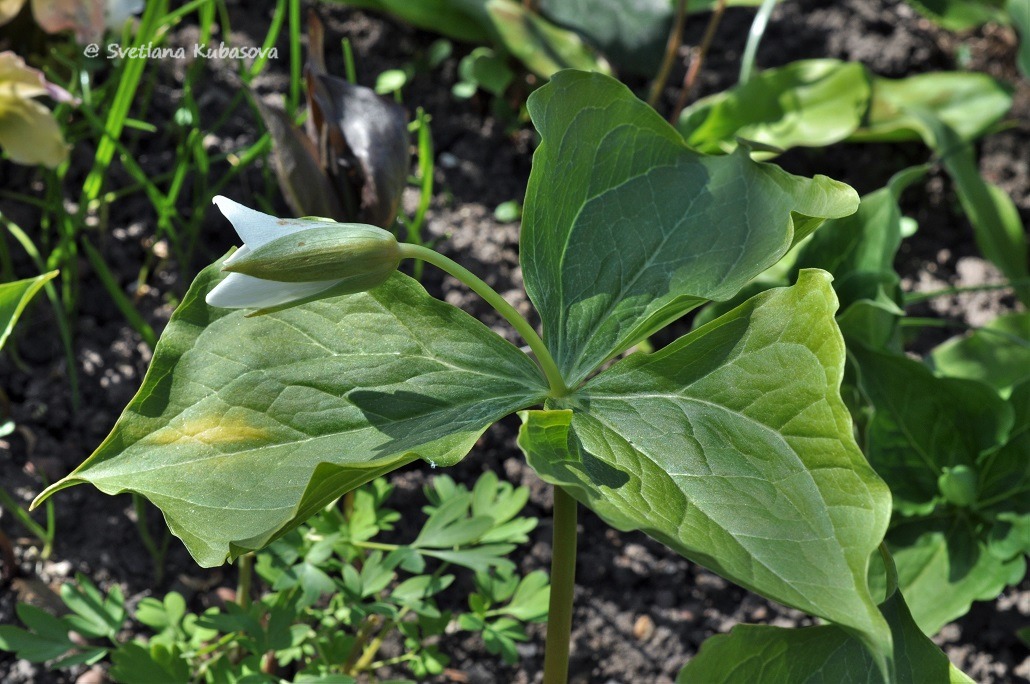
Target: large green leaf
<point>627,233</point>
<point>14,297</point>
<point>827,653</point>
<point>733,447</point>
<point>244,427</point>
<point>924,424</point>
<point>811,103</point>
<point>997,354</point>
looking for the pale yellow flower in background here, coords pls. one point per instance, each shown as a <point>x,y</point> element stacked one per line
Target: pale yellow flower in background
<point>87,18</point>
<point>28,132</point>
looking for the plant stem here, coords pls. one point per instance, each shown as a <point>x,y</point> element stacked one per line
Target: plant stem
<point>156,551</point>
<point>368,655</point>
<point>521,325</point>
<point>754,37</point>
<point>245,568</point>
<point>918,297</point>
<point>672,46</point>
<point>563,582</point>
<point>697,59</point>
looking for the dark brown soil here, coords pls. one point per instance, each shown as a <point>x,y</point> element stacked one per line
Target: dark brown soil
<point>641,611</point>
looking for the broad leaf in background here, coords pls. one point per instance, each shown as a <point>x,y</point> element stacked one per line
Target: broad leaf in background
<point>14,297</point>
<point>859,251</point>
<point>924,424</point>
<point>542,46</point>
<point>968,102</point>
<point>997,226</point>
<point>997,354</point>
<point>944,566</point>
<point>827,653</point>
<point>1019,13</point>
<point>811,103</point>
<point>624,235</point>
<point>954,455</point>
<point>631,35</point>
<point>712,448</point>
<point>959,15</point>
<point>244,427</point>
<point>459,19</point>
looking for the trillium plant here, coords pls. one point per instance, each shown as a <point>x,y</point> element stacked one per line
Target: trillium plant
<point>304,364</point>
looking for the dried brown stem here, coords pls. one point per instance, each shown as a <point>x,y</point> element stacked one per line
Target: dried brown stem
<point>672,46</point>
<point>697,59</point>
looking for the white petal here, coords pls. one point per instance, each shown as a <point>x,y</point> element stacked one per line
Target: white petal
<point>238,254</point>
<point>255,228</point>
<point>239,291</point>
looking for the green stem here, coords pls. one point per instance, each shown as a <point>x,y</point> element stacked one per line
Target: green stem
<point>245,568</point>
<point>366,661</point>
<point>754,37</point>
<point>563,581</point>
<point>521,325</point>
<point>919,297</point>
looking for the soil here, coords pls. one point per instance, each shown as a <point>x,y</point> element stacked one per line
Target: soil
<point>641,611</point>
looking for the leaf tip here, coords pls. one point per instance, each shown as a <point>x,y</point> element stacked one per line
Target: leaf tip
<point>63,483</point>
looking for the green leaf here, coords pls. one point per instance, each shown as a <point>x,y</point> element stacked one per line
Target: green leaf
<point>541,46</point>
<point>450,525</point>
<point>923,424</point>
<point>137,662</point>
<point>531,599</point>
<point>859,252</point>
<point>487,70</point>
<point>631,35</point>
<point>95,616</point>
<point>865,242</point>
<point>968,102</point>
<point>14,297</point>
<point>1005,473</point>
<point>712,448</point>
<point>997,354</point>
<point>622,236</point>
<point>500,636</point>
<point>1019,13</point>
<point>460,19</point>
<point>959,15</point>
<point>827,653</point>
<point>478,558</point>
<point>810,103</point>
<point>245,427</point>
<point>996,223</point>
<point>48,638</point>
<point>163,614</point>
<point>943,568</point>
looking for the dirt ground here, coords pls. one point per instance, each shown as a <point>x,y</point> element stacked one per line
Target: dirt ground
<point>641,610</point>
